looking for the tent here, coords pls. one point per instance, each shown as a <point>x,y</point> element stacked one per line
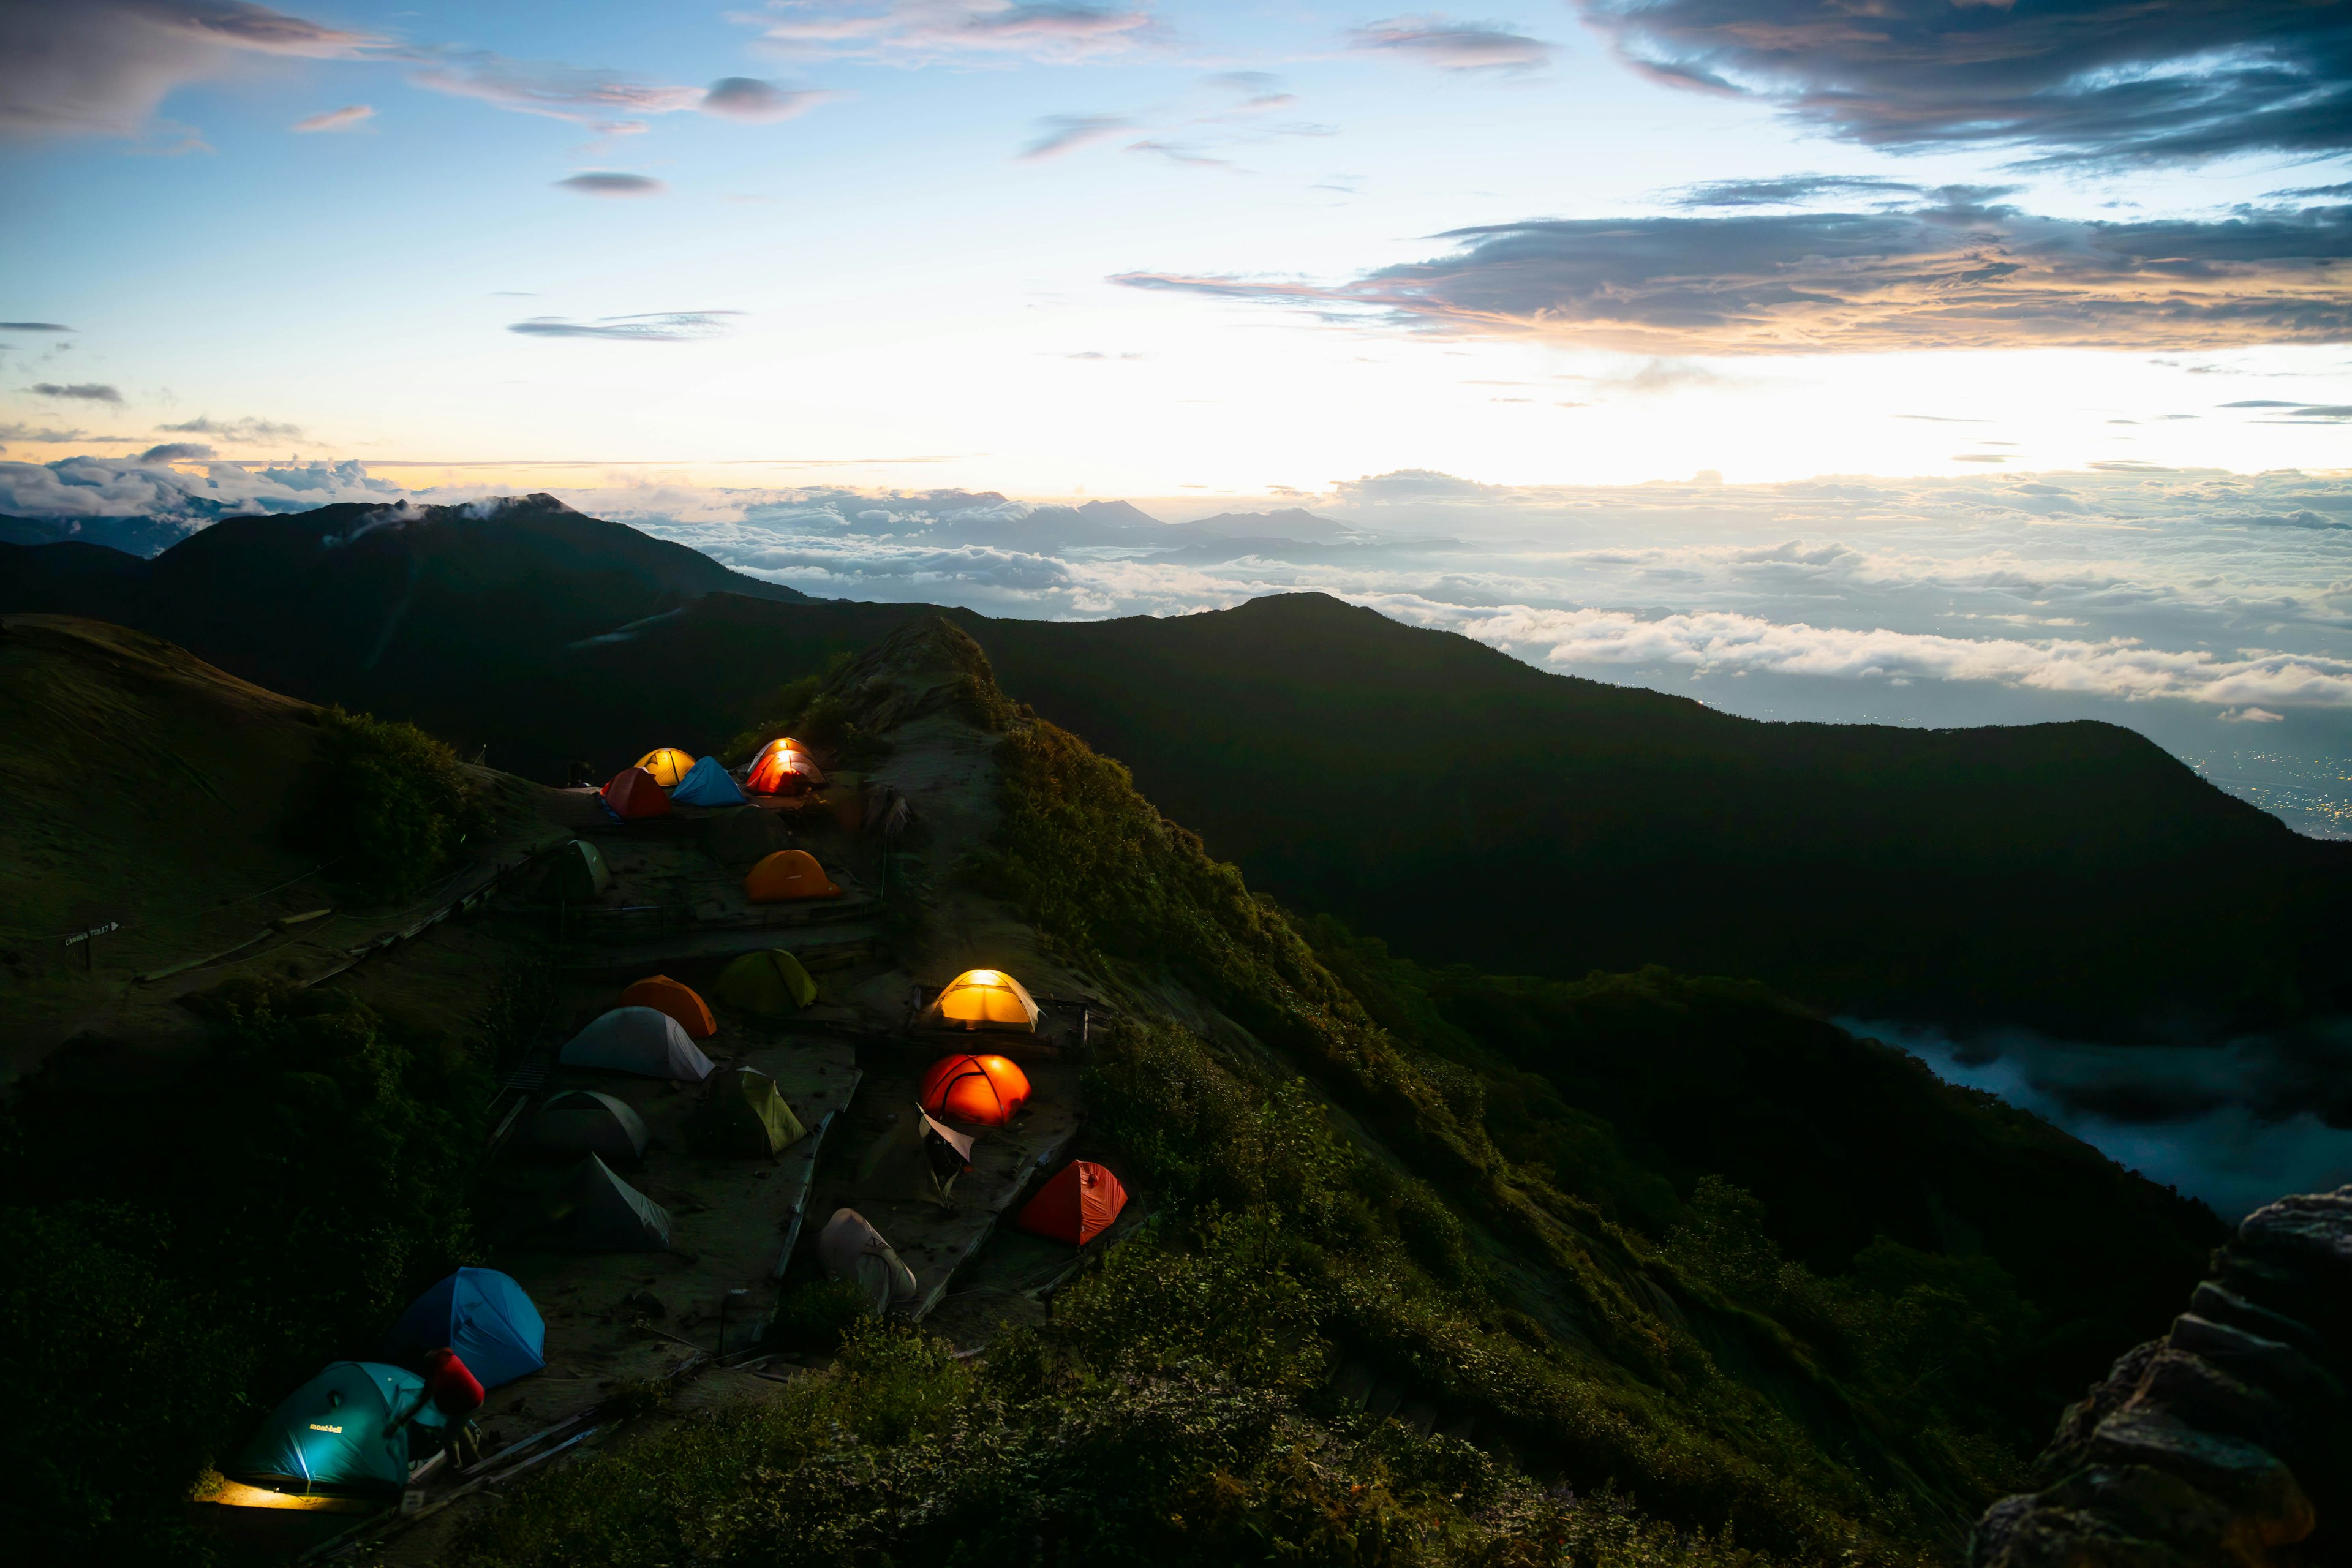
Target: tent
<point>741,839</point>
<point>669,765</point>
<point>598,1212</point>
<point>582,1121</point>
<point>782,743</point>
<point>335,1433</point>
<point>638,1040</point>
<point>984,999</point>
<point>766,984</point>
<point>482,1315</point>
<point>743,1112</point>
<point>706,784</point>
<point>664,995</point>
<point>633,796</point>
<point>989,1090</point>
<point>853,1250</point>
<point>788,874</point>
<point>576,873</point>
<point>783,773</point>
<point>916,1160</point>
<point>1076,1205</point>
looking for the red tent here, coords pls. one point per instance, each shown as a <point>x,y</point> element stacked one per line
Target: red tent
<point>989,1090</point>
<point>632,793</point>
<point>1076,1205</point>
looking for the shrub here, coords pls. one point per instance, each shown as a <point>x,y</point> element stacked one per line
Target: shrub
<point>387,805</point>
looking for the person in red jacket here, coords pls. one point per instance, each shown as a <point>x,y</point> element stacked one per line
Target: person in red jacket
<point>451,1388</point>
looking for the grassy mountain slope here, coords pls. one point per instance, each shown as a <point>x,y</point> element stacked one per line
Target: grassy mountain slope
<point>1337,1192</point>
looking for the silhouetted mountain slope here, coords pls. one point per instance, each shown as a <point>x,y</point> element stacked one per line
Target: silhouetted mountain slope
<point>447,616</point>
<point>1472,809</point>
<point>1421,786</point>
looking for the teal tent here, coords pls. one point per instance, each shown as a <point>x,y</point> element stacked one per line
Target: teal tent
<point>335,1433</point>
<point>706,784</point>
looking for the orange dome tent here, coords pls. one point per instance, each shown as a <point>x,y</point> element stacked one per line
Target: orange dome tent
<point>780,771</point>
<point>785,743</point>
<point>989,1090</point>
<point>788,874</point>
<point>984,999</point>
<point>632,793</point>
<point>669,765</point>
<point>1076,1205</point>
<point>664,995</point>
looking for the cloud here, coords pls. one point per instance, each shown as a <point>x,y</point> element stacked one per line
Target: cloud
<point>761,102</point>
<point>100,68</point>
<point>33,327</point>
<point>654,327</point>
<point>176,452</point>
<point>2249,716</point>
<point>129,486</point>
<point>47,433</point>
<point>1454,46</point>
<point>913,31</point>
<point>81,390</point>
<point>350,116</point>
<point>1060,134</point>
<point>1804,190</point>
<point>2068,80</point>
<point>1936,277</point>
<point>1176,153</point>
<point>245,429</point>
<point>605,183</point>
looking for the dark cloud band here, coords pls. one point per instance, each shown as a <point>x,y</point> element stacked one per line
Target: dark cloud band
<point>2071,80</point>
<point>1941,276</point>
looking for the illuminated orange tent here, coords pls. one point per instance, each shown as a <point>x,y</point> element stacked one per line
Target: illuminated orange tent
<point>788,874</point>
<point>664,995</point>
<point>780,772</point>
<point>984,999</point>
<point>632,793</point>
<point>1076,1205</point>
<point>989,1090</point>
<point>669,765</point>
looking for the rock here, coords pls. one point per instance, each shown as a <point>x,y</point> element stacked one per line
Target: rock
<point>644,1304</point>
<point>2225,1441</point>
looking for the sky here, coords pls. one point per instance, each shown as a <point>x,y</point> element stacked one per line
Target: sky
<point>1923,361</point>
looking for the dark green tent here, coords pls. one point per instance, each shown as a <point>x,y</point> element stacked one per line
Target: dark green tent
<point>768,985</point>
<point>743,1112</point>
<point>744,836</point>
<point>598,1212</point>
<point>578,873</point>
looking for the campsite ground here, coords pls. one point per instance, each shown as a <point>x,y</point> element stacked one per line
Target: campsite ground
<point>622,1322</point>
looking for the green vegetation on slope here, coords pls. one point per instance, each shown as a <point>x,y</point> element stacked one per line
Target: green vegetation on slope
<point>177,1245</point>
<point>387,806</point>
<point>1179,1405</point>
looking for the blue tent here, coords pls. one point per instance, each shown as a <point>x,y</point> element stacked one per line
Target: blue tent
<point>335,1433</point>
<point>706,784</point>
<point>482,1315</point>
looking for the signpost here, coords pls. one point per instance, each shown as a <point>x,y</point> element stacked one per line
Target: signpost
<point>88,938</point>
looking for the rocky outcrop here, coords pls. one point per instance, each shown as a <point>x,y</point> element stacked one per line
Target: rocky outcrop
<point>2223,1442</point>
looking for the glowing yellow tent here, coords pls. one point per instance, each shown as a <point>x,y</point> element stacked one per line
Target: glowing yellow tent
<point>984,999</point>
<point>669,765</point>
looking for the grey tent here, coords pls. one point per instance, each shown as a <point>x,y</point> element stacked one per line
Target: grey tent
<point>744,836</point>
<point>851,1249</point>
<point>916,1160</point>
<point>577,873</point>
<point>582,1121</point>
<point>640,1040</point>
<point>601,1213</point>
